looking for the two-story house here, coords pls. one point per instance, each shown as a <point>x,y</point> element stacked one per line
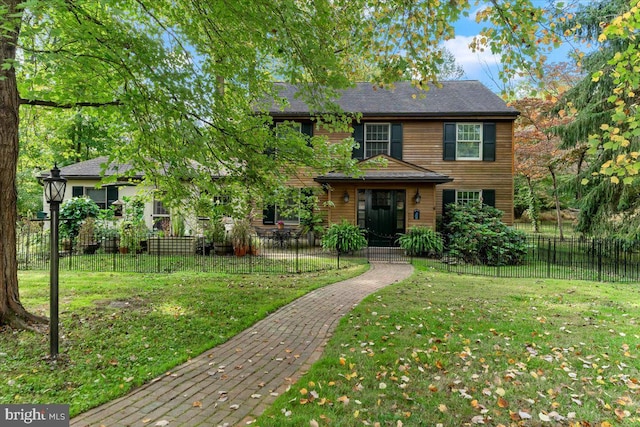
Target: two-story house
<point>448,144</point>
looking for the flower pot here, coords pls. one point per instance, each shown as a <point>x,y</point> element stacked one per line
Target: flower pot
<point>240,251</point>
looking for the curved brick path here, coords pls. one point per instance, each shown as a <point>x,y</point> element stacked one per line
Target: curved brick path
<point>234,382</point>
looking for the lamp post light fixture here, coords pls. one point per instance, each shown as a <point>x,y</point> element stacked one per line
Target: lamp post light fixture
<point>54,188</point>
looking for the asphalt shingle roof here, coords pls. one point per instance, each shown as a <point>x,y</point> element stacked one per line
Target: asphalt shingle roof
<point>93,169</point>
<point>454,98</point>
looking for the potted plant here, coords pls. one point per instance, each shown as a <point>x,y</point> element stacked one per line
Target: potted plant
<point>311,225</point>
<point>344,237</point>
<point>216,235</point>
<point>87,236</point>
<point>240,236</point>
<point>420,240</point>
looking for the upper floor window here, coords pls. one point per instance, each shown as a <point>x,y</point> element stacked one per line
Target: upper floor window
<point>377,138</point>
<point>469,141</point>
<point>373,139</point>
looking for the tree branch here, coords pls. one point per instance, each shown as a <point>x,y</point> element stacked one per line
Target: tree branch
<point>43,103</point>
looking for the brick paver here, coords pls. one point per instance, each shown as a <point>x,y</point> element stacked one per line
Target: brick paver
<point>234,382</point>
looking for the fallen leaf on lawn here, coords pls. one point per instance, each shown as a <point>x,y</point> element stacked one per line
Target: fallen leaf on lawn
<point>343,361</point>
<point>442,407</point>
<point>544,417</point>
<point>344,399</point>
<point>162,423</point>
<point>500,391</point>
<point>197,404</point>
<point>234,406</point>
<point>303,391</point>
<point>313,423</point>
<point>622,414</point>
<point>524,415</point>
<point>146,420</point>
<point>478,419</point>
<point>256,396</point>
<point>502,402</point>
<point>382,386</point>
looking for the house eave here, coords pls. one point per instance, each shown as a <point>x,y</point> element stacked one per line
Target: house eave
<point>413,180</point>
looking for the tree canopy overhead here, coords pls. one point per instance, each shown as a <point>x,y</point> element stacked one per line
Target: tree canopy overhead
<point>184,80</point>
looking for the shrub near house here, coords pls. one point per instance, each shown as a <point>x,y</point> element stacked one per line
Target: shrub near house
<point>476,234</point>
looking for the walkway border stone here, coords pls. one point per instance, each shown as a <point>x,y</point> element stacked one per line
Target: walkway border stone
<point>235,382</point>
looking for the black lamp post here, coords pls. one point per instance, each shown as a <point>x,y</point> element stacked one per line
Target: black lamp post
<point>54,188</point>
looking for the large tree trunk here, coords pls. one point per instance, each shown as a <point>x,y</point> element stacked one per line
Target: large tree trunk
<point>12,312</point>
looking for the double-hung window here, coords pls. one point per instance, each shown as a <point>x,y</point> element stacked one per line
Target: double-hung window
<point>464,197</point>
<point>469,141</point>
<point>377,139</point>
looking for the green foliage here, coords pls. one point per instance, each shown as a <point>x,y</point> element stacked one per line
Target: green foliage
<point>241,233</point>
<point>73,212</point>
<point>421,240</point>
<point>131,234</point>
<point>344,237</point>
<point>476,234</point>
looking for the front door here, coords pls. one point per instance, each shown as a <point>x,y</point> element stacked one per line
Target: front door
<point>382,213</point>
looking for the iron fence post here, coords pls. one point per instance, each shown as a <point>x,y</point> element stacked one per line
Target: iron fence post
<point>548,258</point>
<point>599,260</point>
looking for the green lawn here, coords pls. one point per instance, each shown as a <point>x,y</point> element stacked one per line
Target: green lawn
<point>447,350</point>
<point>119,330</point>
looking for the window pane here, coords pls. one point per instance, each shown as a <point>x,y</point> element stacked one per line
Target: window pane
<point>464,197</point>
<point>376,139</point>
<point>469,140</point>
<point>468,150</point>
<point>97,195</point>
<point>159,209</point>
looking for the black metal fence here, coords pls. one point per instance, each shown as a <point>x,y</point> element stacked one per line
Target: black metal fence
<point>264,253</point>
<point>546,257</point>
<point>576,258</point>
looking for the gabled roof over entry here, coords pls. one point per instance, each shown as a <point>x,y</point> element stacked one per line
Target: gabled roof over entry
<point>395,171</point>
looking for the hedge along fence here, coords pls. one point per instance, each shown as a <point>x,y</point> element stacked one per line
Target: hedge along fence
<point>597,259</point>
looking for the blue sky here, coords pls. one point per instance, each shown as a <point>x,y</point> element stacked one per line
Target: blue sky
<point>485,66</point>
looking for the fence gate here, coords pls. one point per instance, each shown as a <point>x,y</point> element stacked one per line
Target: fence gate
<point>384,248</point>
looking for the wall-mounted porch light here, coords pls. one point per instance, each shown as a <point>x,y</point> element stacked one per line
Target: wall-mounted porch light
<point>417,197</point>
<point>345,197</point>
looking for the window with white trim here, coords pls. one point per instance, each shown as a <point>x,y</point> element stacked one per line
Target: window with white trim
<point>469,141</point>
<point>467,196</point>
<point>377,139</point>
<point>161,216</point>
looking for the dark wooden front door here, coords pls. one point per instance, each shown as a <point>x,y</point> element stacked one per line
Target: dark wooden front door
<point>384,212</point>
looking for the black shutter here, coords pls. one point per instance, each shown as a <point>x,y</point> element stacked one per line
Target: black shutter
<point>358,136</point>
<point>489,198</point>
<point>77,191</point>
<point>307,128</point>
<point>448,198</point>
<point>269,215</point>
<point>449,142</point>
<point>489,142</point>
<point>112,195</point>
<point>396,141</point>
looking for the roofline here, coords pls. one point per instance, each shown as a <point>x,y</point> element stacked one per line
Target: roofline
<point>434,180</point>
<point>496,114</point>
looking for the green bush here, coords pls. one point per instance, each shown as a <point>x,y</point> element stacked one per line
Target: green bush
<point>344,237</point>
<point>73,212</point>
<point>421,240</point>
<point>476,234</point>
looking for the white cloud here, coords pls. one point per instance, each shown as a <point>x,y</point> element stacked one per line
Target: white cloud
<point>475,64</point>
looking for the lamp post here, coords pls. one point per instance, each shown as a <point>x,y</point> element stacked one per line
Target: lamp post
<point>54,188</point>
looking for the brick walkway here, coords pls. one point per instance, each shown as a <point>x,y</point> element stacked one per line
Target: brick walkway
<point>233,383</point>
